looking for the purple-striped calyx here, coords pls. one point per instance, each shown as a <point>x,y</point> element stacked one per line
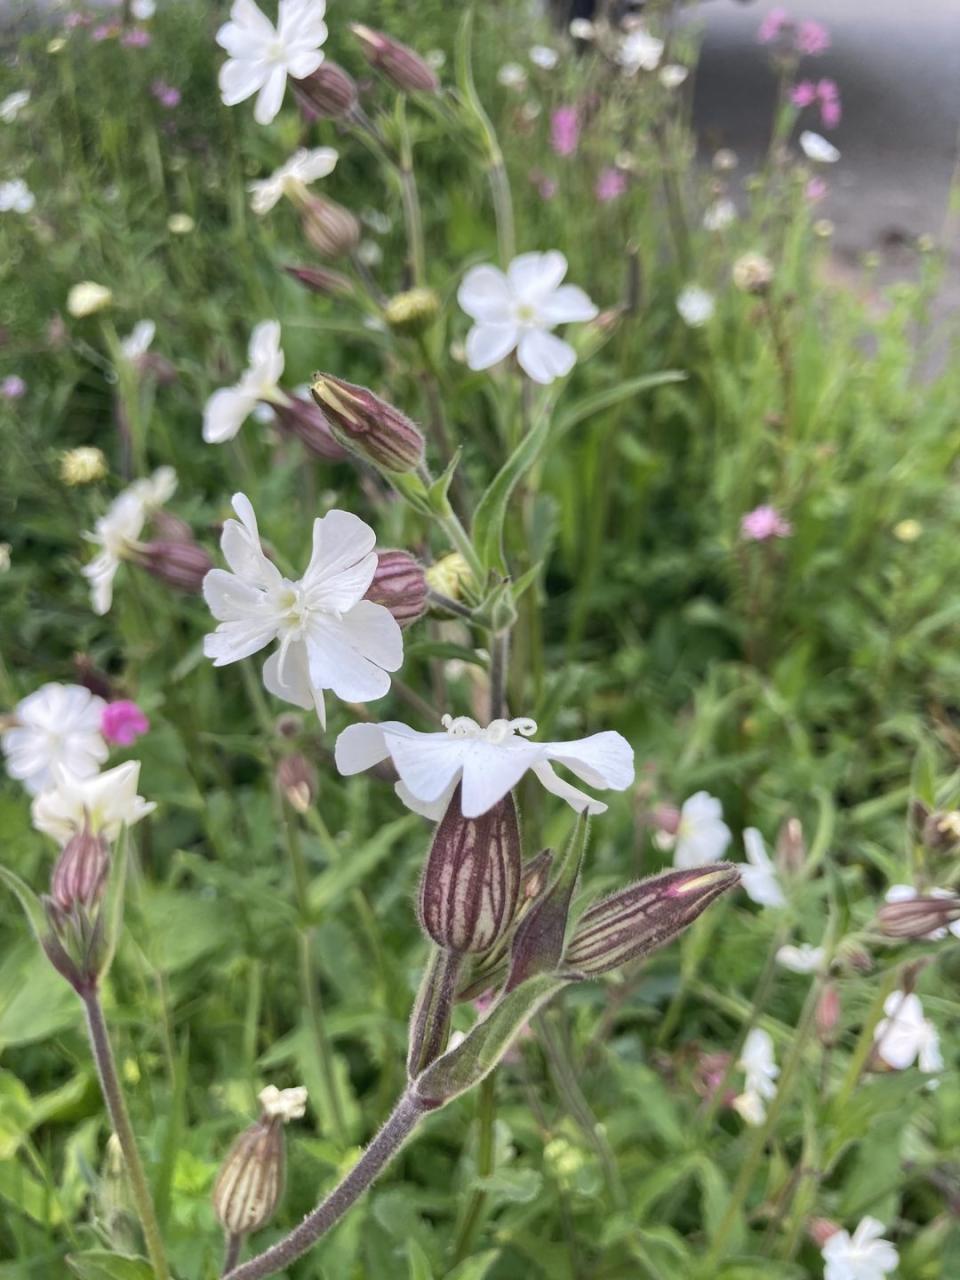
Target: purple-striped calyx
<point>250,1181</point>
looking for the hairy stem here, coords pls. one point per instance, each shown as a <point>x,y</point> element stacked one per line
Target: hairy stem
<point>412,215</point>
<point>231,1253</point>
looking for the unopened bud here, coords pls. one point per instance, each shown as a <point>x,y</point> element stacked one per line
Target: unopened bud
<point>83,465</point>
<point>400,585</point>
<point>170,528</point>
<point>329,227</point>
<point>368,425</point>
<point>791,847</point>
<point>827,1014</point>
<point>941,831</point>
<point>820,1230</point>
<point>297,780</point>
<point>448,575</point>
<point>639,919</point>
<point>404,68</point>
<point>413,311</point>
<point>80,872</point>
<point>919,917</point>
<point>327,93</point>
<point>854,957</point>
<point>182,565</point>
<point>753,273</point>
<point>304,420</point>
<point>250,1181</point>
<point>332,284</point>
<point>469,886</point>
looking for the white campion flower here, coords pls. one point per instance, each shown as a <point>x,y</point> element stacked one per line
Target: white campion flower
<point>695,305</point>
<point>801,959</point>
<point>262,55</point>
<point>512,76</point>
<point>57,724</point>
<point>285,1104</point>
<point>863,1256</point>
<point>817,148</point>
<point>330,636</point>
<point>88,297</point>
<point>488,762</point>
<point>292,178</point>
<point>227,409</point>
<point>760,1070</point>
<point>719,215</point>
<point>13,104</point>
<point>137,342</point>
<point>143,10</point>
<point>673,75</point>
<point>542,56</point>
<point>517,310</point>
<point>118,530</point>
<point>759,878</point>
<point>702,835</point>
<point>107,802</point>
<point>907,893</point>
<point>639,51</point>
<point>16,197</point>
<point>905,1036</point>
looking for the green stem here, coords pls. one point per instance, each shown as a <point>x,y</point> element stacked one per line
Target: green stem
<point>502,206</point>
<point>486,1121</point>
<point>412,215</point>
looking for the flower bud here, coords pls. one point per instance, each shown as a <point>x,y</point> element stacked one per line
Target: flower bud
<point>827,1014</point>
<point>297,780</point>
<point>448,575</point>
<point>83,465</point>
<point>250,1181</point>
<point>404,69</point>
<point>303,419</point>
<point>182,565</point>
<point>171,528</point>
<point>332,284</point>
<point>820,1230</point>
<point>469,886</point>
<point>88,297</point>
<point>753,273</point>
<point>368,425</point>
<point>791,847</point>
<point>80,872</point>
<point>329,227</point>
<point>918,917</point>
<point>941,831</point>
<point>412,312</point>
<point>639,919</point>
<point>328,93</point>
<point>400,585</point>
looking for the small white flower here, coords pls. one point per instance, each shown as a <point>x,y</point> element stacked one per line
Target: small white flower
<point>760,877</point>
<point>378,221</point>
<point>435,59</point>
<point>488,762</point>
<point>117,531</point>
<point>292,178</point>
<point>57,724</point>
<point>542,56</point>
<point>760,1071</point>
<point>516,311</point>
<point>673,75</point>
<point>261,56</point>
<point>13,104</point>
<point>285,1104</point>
<point>907,893</point>
<point>369,253</point>
<point>639,51</point>
<point>137,343</point>
<point>330,636</point>
<point>582,29</point>
<point>817,148</point>
<point>512,76</point>
<point>88,297</point>
<point>695,305</point>
<point>702,835</point>
<point>155,490</point>
<point>108,801</point>
<point>905,1036</point>
<point>802,959</point>
<point>863,1256</point>
<point>16,197</point>
<point>143,10</point>
<point>227,409</point>
<point>720,215</point>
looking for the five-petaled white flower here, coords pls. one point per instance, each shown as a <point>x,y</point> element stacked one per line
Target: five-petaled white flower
<point>542,56</point>
<point>907,893</point>
<point>227,409</point>
<point>801,959</point>
<point>16,197</point>
<point>760,1071</point>
<point>760,878</point>
<point>292,178</point>
<point>696,305</point>
<point>107,802</point>
<point>488,762</point>
<point>137,342</point>
<point>863,1256</point>
<point>13,104</point>
<point>702,835</point>
<point>639,51</point>
<point>262,55</point>
<point>330,636</point>
<point>118,530</point>
<point>517,310</point>
<point>817,148</point>
<point>905,1036</point>
<point>57,724</point>
<point>283,1104</point>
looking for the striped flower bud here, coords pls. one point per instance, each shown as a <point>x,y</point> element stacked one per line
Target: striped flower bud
<point>250,1181</point>
<point>302,419</point>
<point>328,93</point>
<point>368,425</point>
<point>827,1014</point>
<point>80,872</point>
<point>919,917</point>
<point>469,886</point>
<point>644,916</point>
<point>297,780</point>
<point>404,68</point>
<point>182,565</point>
<point>332,284</point>
<point>400,585</point>
<point>413,311</point>
<point>329,227</point>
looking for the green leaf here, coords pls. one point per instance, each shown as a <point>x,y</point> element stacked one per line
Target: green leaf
<point>475,1268</point>
<point>519,1186</point>
<point>32,906</point>
<point>587,406</point>
<point>100,1264</point>
<point>28,1195</point>
<point>334,883</point>
<point>418,1262</point>
<point>491,510</point>
<point>35,1002</point>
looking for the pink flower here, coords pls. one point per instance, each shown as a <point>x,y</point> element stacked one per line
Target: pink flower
<point>772,26</point>
<point>137,38</point>
<point>803,94</point>
<point>812,38</point>
<point>547,188</point>
<point>106,31</point>
<point>763,523</point>
<point>12,387</point>
<point>166,94</point>
<point>564,130</point>
<point>815,190</point>
<point>75,19</point>
<point>610,184</point>
<point>121,723</point>
<point>830,109</point>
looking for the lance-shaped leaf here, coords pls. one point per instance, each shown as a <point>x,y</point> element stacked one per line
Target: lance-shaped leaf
<point>40,923</point>
<point>644,916</point>
<point>538,942</point>
<point>469,887</point>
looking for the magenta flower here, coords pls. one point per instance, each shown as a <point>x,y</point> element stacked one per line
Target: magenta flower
<point>122,722</point>
<point>75,19</point>
<point>13,387</point>
<point>166,94</point>
<point>830,109</point>
<point>772,26</point>
<point>764,522</point>
<point>803,94</point>
<point>105,31</point>
<point>812,38</point>
<point>815,190</point>
<point>136,38</point>
<point>610,184</point>
<point>565,130</point>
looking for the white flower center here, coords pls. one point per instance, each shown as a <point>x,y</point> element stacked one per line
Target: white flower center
<point>526,314</point>
<point>276,50</point>
<point>496,732</point>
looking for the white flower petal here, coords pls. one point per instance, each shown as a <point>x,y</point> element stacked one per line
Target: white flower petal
<point>239,81</point>
<point>565,305</point>
<point>489,772</point>
<point>817,148</point>
<point>291,683</point>
<point>545,357</point>
<point>270,98</point>
<point>488,344</point>
<point>360,747</point>
<point>225,413</point>
<point>533,275</point>
<point>342,563</point>
<point>602,760</point>
<point>577,800</point>
<point>336,664</point>
<point>485,295</point>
